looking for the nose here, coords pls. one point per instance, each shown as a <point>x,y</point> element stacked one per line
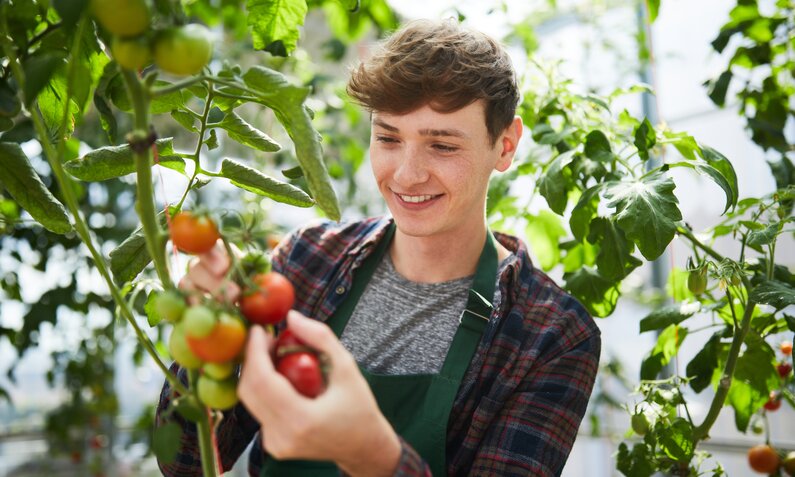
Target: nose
<point>411,168</point>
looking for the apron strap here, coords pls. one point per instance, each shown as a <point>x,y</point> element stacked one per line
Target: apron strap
<point>475,316</point>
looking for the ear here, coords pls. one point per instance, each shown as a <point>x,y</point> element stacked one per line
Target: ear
<point>507,144</point>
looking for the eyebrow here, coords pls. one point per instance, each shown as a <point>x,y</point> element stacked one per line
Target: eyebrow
<point>423,132</point>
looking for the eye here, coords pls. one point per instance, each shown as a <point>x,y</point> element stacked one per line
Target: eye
<point>386,139</point>
<point>444,148</point>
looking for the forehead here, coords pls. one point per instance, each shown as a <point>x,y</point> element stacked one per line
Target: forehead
<point>469,121</point>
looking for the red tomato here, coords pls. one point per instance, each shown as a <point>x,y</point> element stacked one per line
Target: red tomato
<point>784,369</point>
<point>774,402</point>
<point>270,303</point>
<point>193,234</point>
<point>287,343</point>
<point>763,459</point>
<point>224,343</point>
<point>786,348</point>
<point>302,369</point>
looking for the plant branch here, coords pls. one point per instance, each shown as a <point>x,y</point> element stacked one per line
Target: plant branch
<point>681,230</point>
<point>145,203</point>
<point>702,431</point>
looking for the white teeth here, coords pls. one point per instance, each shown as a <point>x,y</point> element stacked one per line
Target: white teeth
<point>416,198</point>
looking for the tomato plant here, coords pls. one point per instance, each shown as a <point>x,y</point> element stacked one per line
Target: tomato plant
<point>269,303</point>
<point>193,234</point>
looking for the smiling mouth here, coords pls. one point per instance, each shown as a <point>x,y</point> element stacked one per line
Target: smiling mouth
<point>416,199</point>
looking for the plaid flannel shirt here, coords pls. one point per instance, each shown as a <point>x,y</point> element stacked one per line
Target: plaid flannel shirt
<point>525,392</point>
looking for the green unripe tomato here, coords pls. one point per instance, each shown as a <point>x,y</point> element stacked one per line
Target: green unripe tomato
<point>789,463</point>
<point>640,424</point>
<point>218,370</point>
<point>217,394</point>
<point>132,54</point>
<point>183,50</point>
<point>179,350</point>
<point>198,321</point>
<point>169,306</point>
<point>697,281</point>
<point>122,17</point>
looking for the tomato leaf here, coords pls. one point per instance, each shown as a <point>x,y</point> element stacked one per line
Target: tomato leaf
<point>166,441</point>
<point>293,173</point>
<point>242,132</point>
<point>275,24</point>
<point>645,138</point>
<point>70,10</point>
<point>9,101</point>
<point>185,119</point>
<point>765,236</point>
<point>584,211</point>
<point>647,211</point>
<point>684,143</point>
<point>676,440</point>
<point>639,462</point>
<point>26,188</point>
<point>116,161</point>
<point>667,346</point>
<point>39,69</point>
<point>717,88</point>
<point>554,185</point>
<point>654,9</point>
<point>544,231</point>
<point>753,379</point>
<point>254,181</point>
<point>287,102</point>
<point>615,260</point>
<point>597,293</point>
<point>702,367</point>
<point>131,256</point>
<point>722,172</point>
<point>775,293</point>
<point>597,146</point>
<point>106,117</point>
<point>669,315</point>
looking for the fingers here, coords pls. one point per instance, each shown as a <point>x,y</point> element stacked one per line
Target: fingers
<point>319,336</point>
<point>216,261</point>
<point>208,275</point>
<point>261,388</point>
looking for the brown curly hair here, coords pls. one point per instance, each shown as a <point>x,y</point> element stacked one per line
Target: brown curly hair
<point>441,64</point>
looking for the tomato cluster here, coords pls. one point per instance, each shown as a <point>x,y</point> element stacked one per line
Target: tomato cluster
<point>179,50</point>
<point>211,337</point>
<point>764,459</point>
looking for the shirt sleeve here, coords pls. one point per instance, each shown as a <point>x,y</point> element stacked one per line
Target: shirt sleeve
<point>533,430</point>
<point>233,434</point>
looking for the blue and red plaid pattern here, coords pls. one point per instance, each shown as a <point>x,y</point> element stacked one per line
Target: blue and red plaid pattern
<point>526,390</point>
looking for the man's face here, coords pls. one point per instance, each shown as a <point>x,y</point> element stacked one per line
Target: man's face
<point>433,168</point>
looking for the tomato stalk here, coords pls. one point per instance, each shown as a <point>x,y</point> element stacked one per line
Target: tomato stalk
<point>145,203</point>
<point>205,431</point>
<point>64,182</point>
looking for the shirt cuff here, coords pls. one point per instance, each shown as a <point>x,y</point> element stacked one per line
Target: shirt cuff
<point>410,463</point>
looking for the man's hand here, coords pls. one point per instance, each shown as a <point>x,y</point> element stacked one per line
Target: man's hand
<point>343,424</point>
<point>208,275</point>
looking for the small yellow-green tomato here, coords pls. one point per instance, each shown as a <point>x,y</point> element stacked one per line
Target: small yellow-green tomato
<point>180,351</point>
<point>132,54</point>
<point>218,370</point>
<point>217,394</point>
<point>183,50</point>
<point>122,17</point>
<point>198,321</point>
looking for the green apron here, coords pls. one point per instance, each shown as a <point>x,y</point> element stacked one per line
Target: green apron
<point>417,405</point>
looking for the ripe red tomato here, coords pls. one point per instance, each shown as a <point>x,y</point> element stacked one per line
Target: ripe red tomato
<point>774,402</point>
<point>224,343</point>
<point>302,369</point>
<point>763,459</point>
<point>270,303</point>
<point>784,369</point>
<point>786,348</point>
<point>193,234</point>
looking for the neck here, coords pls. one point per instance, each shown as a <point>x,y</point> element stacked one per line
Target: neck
<point>439,258</point>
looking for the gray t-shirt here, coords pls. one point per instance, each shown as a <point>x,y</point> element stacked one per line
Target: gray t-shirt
<point>404,327</point>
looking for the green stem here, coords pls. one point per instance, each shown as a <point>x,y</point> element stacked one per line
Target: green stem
<point>681,230</point>
<point>65,184</point>
<point>173,88</point>
<point>204,430</point>
<point>702,431</point>
<point>145,203</point>
<point>196,156</point>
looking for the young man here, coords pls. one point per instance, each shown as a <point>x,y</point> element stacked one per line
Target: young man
<point>450,352</point>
